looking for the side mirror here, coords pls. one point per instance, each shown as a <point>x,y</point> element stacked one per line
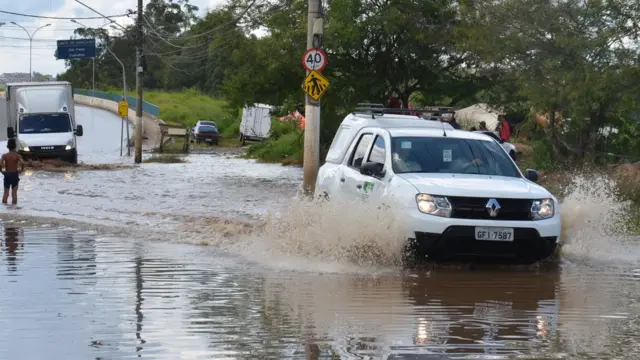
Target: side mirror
<point>79,130</point>
<point>531,175</point>
<point>372,169</point>
<point>10,133</point>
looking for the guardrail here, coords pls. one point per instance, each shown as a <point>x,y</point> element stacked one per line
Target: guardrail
<point>147,107</point>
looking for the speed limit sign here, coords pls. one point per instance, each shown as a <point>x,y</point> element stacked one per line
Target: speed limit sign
<point>314,59</point>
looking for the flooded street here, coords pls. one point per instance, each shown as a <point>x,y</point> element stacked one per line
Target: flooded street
<point>109,265</point>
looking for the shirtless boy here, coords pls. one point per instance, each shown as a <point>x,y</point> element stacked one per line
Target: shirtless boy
<point>9,165</point>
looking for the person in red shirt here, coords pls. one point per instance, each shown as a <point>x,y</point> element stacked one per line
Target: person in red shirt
<point>504,128</point>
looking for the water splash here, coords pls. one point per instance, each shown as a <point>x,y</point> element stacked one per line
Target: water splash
<point>593,220</point>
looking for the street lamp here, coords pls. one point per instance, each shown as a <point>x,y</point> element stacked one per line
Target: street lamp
<point>30,43</point>
<point>93,76</point>
<point>124,84</point>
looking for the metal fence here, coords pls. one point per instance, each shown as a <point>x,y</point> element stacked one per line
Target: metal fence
<point>147,107</point>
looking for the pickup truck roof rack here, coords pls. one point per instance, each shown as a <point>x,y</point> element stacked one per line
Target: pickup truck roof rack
<point>427,112</point>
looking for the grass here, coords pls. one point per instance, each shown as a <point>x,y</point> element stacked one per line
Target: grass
<point>285,145</point>
<point>186,107</point>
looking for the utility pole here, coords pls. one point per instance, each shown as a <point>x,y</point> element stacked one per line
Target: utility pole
<point>138,136</point>
<point>311,161</point>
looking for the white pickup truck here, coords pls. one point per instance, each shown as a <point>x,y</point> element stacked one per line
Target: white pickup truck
<point>461,194</point>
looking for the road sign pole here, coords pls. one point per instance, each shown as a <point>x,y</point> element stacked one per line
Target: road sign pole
<point>311,160</point>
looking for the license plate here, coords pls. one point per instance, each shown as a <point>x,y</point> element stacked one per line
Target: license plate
<point>209,140</point>
<point>494,234</point>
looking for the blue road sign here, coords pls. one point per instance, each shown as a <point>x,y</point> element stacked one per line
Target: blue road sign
<point>76,49</point>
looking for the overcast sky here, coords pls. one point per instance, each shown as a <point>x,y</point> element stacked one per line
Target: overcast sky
<point>14,43</point>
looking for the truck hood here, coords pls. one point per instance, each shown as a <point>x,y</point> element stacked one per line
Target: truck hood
<point>476,186</point>
<point>45,139</point>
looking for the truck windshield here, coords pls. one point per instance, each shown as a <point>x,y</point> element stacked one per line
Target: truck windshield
<point>45,123</point>
<point>449,155</point>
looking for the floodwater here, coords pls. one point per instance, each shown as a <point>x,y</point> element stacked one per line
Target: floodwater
<point>111,265</point>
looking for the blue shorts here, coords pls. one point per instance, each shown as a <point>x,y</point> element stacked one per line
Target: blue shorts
<point>11,179</point>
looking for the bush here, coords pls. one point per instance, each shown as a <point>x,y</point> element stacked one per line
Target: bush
<point>284,145</point>
<point>542,156</point>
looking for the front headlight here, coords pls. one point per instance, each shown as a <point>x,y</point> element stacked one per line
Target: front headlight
<point>69,145</point>
<point>542,209</point>
<point>434,205</point>
<point>22,146</point>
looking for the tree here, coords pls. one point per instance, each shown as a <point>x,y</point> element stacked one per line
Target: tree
<point>579,59</point>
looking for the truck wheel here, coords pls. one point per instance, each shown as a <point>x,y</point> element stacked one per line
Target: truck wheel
<point>73,158</point>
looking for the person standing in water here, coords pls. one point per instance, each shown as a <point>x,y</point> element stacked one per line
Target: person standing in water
<point>9,165</point>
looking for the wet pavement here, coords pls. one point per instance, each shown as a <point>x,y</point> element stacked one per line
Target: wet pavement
<point>92,267</point>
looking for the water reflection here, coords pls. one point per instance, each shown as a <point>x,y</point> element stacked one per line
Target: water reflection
<point>77,257</point>
<point>12,241</point>
<point>118,298</point>
<point>488,312</point>
<point>139,300</point>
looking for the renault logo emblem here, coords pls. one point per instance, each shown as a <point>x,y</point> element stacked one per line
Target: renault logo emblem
<point>493,207</point>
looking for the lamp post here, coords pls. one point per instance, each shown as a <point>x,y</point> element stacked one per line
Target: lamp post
<point>124,82</point>
<point>30,43</point>
<point>93,76</point>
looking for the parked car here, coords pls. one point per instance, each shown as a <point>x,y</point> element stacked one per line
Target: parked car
<point>206,122</point>
<point>205,133</point>
<point>461,195</point>
<point>507,146</point>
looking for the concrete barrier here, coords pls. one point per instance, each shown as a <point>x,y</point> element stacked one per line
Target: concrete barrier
<point>150,124</point>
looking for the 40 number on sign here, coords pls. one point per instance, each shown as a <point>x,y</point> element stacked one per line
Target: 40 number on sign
<point>314,60</point>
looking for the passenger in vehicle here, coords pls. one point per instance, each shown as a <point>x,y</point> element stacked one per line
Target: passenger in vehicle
<point>404,158</point>
<point>483,126</point>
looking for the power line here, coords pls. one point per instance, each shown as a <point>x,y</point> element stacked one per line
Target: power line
<point>62,18</point>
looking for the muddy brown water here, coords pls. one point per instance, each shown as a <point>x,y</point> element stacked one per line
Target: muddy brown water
<point>73,294</point>
<point>188,261</point>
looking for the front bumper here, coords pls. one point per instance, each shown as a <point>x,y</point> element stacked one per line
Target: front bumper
<point>458,242</point>
<point>444,238</point>
<point>39,153</point>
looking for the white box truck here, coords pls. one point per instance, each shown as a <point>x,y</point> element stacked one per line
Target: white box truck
<point>4,121</point>
<point>256,122</point>
<point>41,117</point>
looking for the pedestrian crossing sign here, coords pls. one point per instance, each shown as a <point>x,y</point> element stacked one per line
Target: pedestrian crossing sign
<point>123,108</point>
<point>315,85</point>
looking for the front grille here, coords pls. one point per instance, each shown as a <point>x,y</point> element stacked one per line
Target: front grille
<point>47,148</point>
<point>475,208</point>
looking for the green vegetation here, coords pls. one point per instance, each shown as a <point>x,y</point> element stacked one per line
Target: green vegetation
<point>284,145</point>
<point>568,69</point>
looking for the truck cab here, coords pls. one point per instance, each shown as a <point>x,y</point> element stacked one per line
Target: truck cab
<point>41,117</point>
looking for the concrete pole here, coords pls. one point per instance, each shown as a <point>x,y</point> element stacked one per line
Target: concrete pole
<point>311,161</point>
<point>138,135</point>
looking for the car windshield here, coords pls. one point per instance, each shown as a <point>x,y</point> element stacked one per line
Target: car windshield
<point>211,123</point>
<point>205,129</point>
<point>45,123</point>
<point>450,155</point>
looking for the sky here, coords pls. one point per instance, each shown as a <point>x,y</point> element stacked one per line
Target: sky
<point>14,42</point>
